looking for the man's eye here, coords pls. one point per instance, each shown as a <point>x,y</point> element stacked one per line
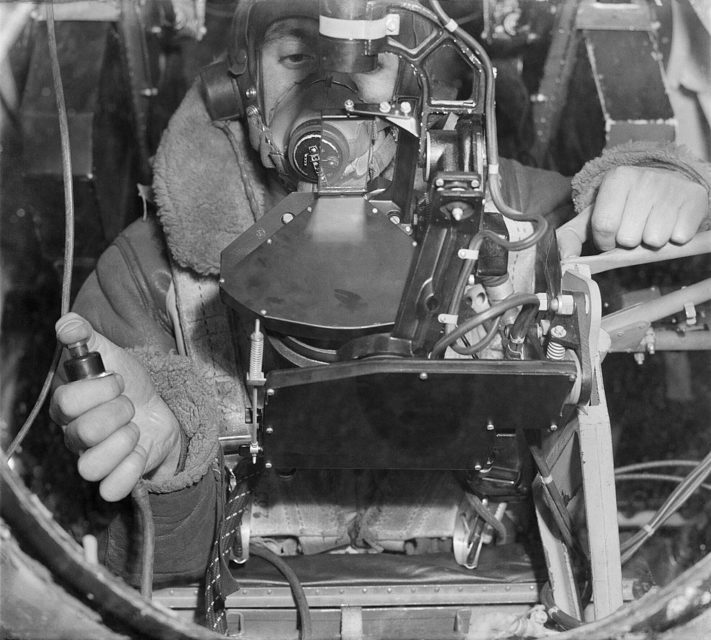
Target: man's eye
<point>297,60</point>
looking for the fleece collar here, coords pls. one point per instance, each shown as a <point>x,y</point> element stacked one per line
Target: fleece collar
<point>205,196</point>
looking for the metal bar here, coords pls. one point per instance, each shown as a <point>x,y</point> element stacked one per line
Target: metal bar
<point>658,308</point>
<point>619,258</point>
<point>482,593</point>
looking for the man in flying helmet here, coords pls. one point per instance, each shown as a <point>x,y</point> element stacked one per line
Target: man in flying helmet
<point>251,133</point>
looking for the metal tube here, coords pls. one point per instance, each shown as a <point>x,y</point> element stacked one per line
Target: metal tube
<point>658,308</point>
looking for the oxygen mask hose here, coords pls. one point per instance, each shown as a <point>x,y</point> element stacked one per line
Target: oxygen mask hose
<point>84,365</point>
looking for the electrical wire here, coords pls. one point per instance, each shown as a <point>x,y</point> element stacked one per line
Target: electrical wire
<point>139,493</point>
<point>470,350</point>
<point>68,226</point>
<point>661,477</point>
<point>539,221</point>
<point>560,617</point>
<point>297,590</point>
<point>672,504</point>
<point>555,503</point>
<point>516,300</point>
<point>656,464</point>
<point>487,516</point>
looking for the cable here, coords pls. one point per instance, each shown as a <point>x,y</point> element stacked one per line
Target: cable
<point>672,504</point>
<point>661,477</point>
<point>68,226</point>
<point>39,403</point>
<point>539,221</point>
<point>297,591</point>
<point>470,350</point>
<point>516,300</point>
<point>560,617</point>
<point>655,464</point>
<point>139,493</point>
<point>488,516</point>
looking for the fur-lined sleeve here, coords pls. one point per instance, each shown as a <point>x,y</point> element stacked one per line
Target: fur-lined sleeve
<point>180,384</point>
<point>638,154</point>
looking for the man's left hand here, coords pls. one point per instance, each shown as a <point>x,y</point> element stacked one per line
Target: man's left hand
<point>637,205</point>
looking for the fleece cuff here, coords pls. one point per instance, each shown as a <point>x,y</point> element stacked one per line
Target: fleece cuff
<point>186,392</point>
<point>645,154</point>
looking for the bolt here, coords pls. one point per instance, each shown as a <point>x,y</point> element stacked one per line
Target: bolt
<point>263,312</point>
<point>251,93</point>
<point>558,331</point>
<point>477,467</point>
<point>287,218</point>
<point>269,430</point>
<point>349,105</point>
<point>457,213</point>
<point>271,392</point>
<point>395,219</point>
<point>267,465</point>
<point>423,375</point>
<point>490,426</point>
<point>439,182</point>
<point>384,107</point>
<point>554,426</point>
<point>474,183</point>
<point>405,107</point>
<point>639,358</point>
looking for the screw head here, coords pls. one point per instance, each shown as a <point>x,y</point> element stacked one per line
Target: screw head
<point>558,331</point>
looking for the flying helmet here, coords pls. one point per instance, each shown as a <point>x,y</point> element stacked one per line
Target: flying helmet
<point>287,137</point>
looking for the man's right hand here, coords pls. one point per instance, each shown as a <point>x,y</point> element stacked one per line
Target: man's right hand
<point>118,424</point>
